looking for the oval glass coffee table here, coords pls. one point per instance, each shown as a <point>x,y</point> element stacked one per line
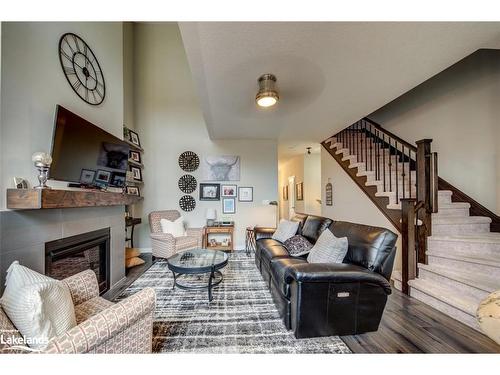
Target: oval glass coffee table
<point>198,262</point>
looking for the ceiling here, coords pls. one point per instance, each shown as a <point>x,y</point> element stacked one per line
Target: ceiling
<point>330,74</point>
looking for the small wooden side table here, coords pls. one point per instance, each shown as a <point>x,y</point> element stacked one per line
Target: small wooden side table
<point>131,222</point>
<point>218,230</point>
<point>250,240</point>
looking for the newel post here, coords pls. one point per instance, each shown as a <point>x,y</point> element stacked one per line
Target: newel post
<point>408,253</point>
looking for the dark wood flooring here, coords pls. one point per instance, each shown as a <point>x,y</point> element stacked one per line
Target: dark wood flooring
<point>407,326</point>
<point>410,326</point>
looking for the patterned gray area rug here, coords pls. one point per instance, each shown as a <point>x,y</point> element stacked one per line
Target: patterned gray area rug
<point>241,318</point>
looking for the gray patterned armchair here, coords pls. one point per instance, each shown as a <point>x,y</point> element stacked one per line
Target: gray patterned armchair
<point>164,244</point>
<point>102,326</point>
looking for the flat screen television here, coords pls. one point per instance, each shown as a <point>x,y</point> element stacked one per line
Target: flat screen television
<point>85,154</point>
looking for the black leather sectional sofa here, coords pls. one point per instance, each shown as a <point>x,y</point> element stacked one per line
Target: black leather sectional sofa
<point>329,299</point>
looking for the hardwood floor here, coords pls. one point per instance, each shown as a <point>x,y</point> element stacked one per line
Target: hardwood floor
<point>410,326</point>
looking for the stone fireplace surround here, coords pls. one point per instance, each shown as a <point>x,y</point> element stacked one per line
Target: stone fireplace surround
<point>23,234</point>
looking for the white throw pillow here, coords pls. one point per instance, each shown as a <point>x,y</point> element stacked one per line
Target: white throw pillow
<point>39,307</point>
<point>328,249</point>
<point>286,229</point>
<point>175,228</point>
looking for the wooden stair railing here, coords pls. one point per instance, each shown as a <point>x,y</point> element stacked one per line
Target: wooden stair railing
<point>390,160</point>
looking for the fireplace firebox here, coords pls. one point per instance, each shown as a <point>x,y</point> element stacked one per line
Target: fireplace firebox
<point>68,256</point>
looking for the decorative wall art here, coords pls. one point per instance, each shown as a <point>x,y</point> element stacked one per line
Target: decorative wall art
<point>133,190</point>
<point>229,190</point>
<point>285,192</point>
<point>329,194</point>
<point>189,161</point>
<point>118,179</point>
<point>209,192</point>
<point>299,191</point>
<point>245,194</point>
<point>87,176</point>
<point>102,178</point>
<point>228,206</point>
<point>135,156</point>
<point>221,168</point>
<point>187,184</point>
<point>187,203</point>
<point>134,138</point>
<point>137,173</point>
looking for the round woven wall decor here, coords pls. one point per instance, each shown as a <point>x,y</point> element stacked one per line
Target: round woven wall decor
<point>187,203</point>
<point>187,184</point>
<point>189,161</point>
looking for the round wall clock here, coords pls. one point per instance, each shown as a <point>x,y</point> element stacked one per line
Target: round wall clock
<point>189,161</point>
<point>187,203</point>
<point>81,68</point>
<point>187,184</point>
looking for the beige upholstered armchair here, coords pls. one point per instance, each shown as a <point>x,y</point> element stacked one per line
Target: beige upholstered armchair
<point>102,326</point>
<point>164,244</point>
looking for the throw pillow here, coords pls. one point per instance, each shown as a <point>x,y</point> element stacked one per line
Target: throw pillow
<point>328,249</point>
<point>298,245</point>
<point>131,252</point>
<point>132,262</point>
<point>175,228</point>
<point>285,230</point>
<point>39,307</point>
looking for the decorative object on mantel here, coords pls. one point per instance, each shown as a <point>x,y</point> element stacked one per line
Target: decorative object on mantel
<point>134,138</point>
<point>245,194</point>
<point>189,161</point>
<point>187,184</point>
<point>299,191</point>
<point>488,316</point>
<point>135,156</point>
<point>81,68</point>
<point>137,173</point>
<point>329,194</point>
<point>211,216</point>
<point>42,162</point>
<point>187,203</point>
<point>133,190</point>
<point>20,183</point>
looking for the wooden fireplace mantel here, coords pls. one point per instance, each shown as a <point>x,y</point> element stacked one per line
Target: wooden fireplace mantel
<point>34,199</point>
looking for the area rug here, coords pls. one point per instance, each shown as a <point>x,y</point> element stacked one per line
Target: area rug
<point>241,318</point>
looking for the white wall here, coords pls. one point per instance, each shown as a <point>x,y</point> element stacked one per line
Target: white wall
<point>350,203</point>
<point>459,109</point>
<point>169,121</point>
<point>33,83</point>
<point>288,168</point>
<point>312,183</point>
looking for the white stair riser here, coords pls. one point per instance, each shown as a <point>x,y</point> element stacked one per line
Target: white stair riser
<point>460,288</point>
<point>465,266</point>
<point>459,229</point>
<point>451,212</point>
<point>445,308</point>
<point>470,249</point>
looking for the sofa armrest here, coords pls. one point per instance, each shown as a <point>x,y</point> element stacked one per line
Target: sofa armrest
<point>164,237</point>
<point>263,232</point>
<point>82,286</point>
<point>101,327</point>
<point>334,273</point>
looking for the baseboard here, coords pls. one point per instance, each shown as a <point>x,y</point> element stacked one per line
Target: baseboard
<point>145,250</point>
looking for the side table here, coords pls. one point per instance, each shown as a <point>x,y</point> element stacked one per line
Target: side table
<point>250,240</point>
<point>131,222</point>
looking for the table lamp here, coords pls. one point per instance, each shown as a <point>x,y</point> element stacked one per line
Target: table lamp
<point>211,215</point>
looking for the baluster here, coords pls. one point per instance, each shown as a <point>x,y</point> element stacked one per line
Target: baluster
<point>403,172</point>
<point>377,156</point>
<point>397,171</point>
<point>390,164</point>
<point>357,143</point>
<point>349,143</point>
<point>361,140</point>
<point>371,148</point>
<point>383,158</point>
<point>366,144</point>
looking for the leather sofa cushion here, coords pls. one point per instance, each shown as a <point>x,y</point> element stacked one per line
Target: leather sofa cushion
<point>269,249</point>
<point>314,226</point>
<point>369,247</point>
<point>278,268</point>
<point>301,218</point>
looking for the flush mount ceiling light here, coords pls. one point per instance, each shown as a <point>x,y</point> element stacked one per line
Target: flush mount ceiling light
<point>268,94</point>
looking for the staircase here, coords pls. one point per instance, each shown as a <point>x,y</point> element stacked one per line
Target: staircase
<point>461,265</point>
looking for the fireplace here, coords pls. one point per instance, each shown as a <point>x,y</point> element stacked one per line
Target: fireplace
<point>68,256</point>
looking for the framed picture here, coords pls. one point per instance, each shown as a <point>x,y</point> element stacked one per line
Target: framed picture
<point>133,190</point>
<point>87,176</point>
<point>135,156</point>
<point>245,194</point>
<point>102,177</point>
<point>285,192</point>
<point>134,138</point>
<point>221,168</point>
<point>329,194</point>
<point>228,206</point>
<point>299,191</point>
<point>229,191</point>
<point>209,192</point>
<point>137,173</point>
<point>118,179</point>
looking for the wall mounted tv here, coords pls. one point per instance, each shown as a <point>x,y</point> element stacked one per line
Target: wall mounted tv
<point>85,154</point>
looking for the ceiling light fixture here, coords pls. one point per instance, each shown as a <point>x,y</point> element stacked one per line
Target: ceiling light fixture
<point>268,94</point>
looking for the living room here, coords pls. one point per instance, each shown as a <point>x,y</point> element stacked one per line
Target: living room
<point>238,188</point>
